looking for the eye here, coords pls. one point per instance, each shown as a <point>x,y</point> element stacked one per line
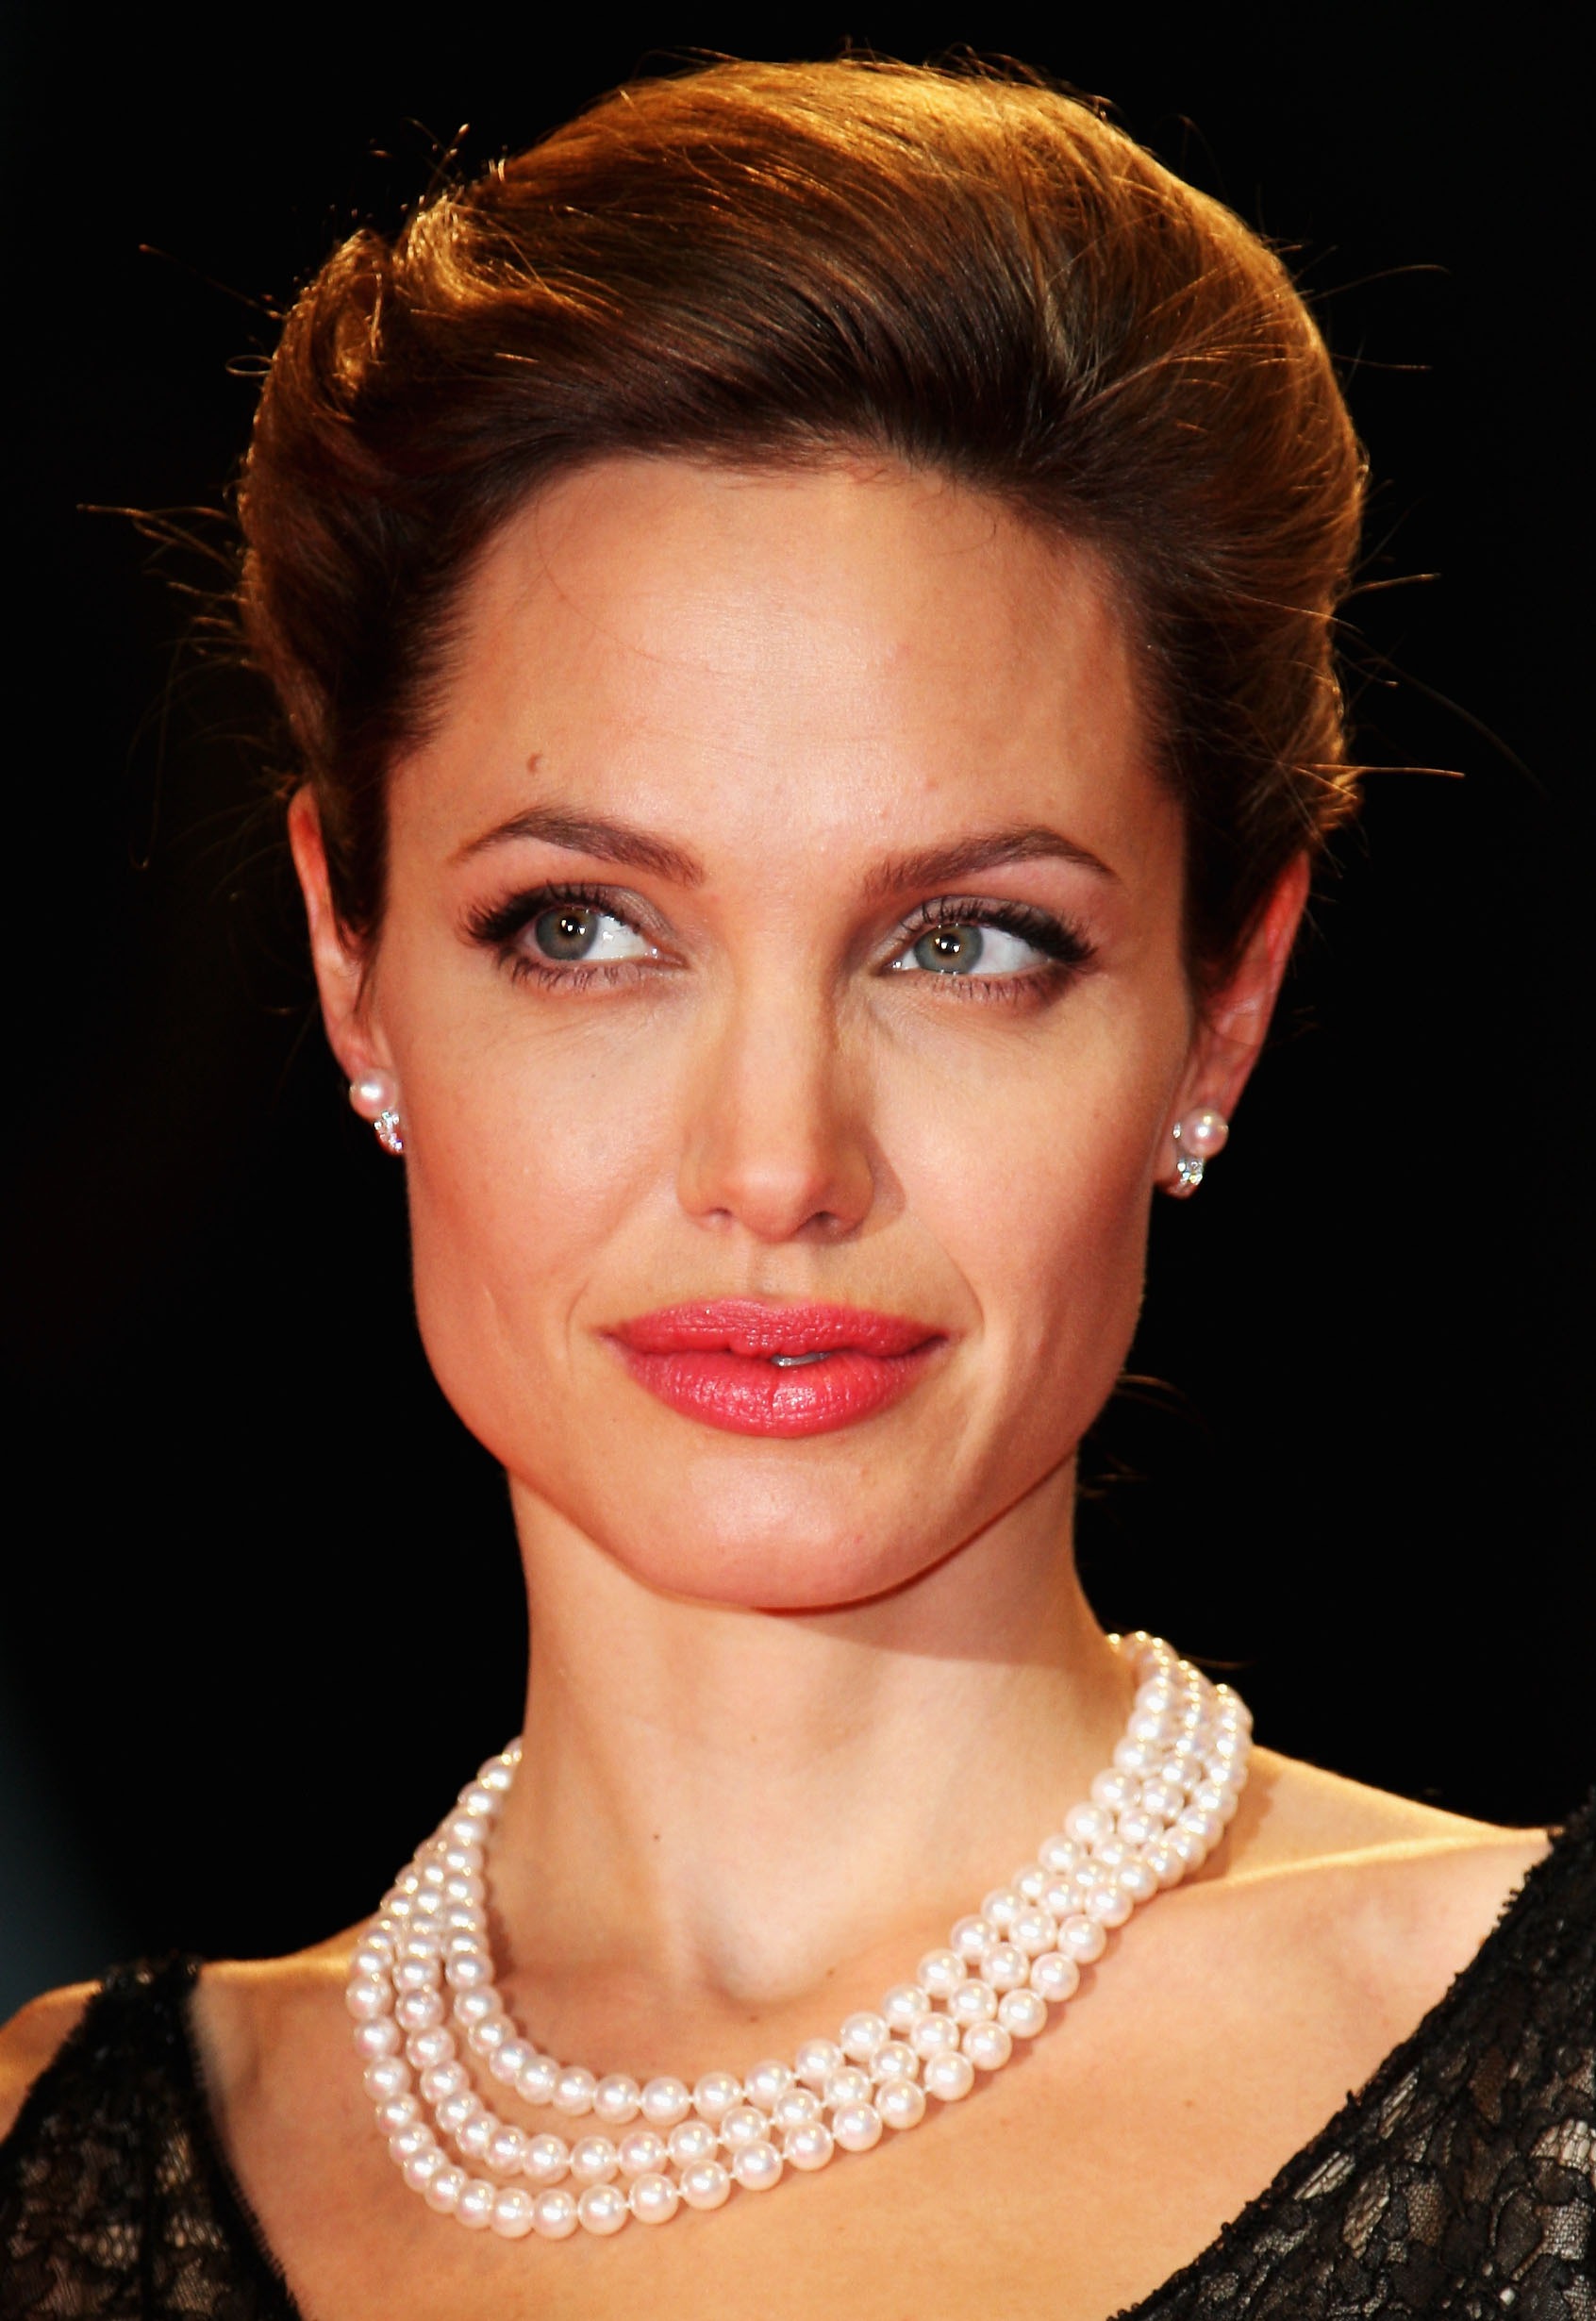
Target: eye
<point>578,933</point>
<point>963,947</point>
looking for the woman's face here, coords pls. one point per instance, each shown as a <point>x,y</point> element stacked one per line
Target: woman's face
<point>784,910</point>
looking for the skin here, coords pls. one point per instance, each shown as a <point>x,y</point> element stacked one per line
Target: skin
<point>795,1705</point>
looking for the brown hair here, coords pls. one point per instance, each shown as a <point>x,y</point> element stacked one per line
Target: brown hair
<point>767,262</point>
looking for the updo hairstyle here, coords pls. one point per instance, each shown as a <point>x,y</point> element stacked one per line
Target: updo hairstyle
<point>769,264</point>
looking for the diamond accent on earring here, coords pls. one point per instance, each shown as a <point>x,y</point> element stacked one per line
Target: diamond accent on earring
<point>391,1135</point>
<point>1189,1168</point>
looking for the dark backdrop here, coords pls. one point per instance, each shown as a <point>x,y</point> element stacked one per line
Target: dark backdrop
<point>231,1475</point>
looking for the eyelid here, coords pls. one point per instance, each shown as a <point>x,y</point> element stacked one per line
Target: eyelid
<point>497,925</point>
<point>1060,940</point>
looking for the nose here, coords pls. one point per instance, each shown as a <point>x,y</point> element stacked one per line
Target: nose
<point>777,1142</point>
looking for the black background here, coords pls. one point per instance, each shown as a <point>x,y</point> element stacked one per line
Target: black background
<point>235,1675</point>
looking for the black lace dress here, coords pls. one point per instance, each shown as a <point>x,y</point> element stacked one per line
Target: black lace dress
<point>1461,2180</point>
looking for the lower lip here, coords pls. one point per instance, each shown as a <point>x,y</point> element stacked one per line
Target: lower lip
<point>745,1395</point>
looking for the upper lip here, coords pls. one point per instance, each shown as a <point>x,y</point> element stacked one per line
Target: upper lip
<point>746,1326</point>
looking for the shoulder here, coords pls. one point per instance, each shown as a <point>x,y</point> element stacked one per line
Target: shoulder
<point>30,2042</point>
<point>1404,1894</point>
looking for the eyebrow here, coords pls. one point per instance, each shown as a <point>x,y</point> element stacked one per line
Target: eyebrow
<point>594,834</point>
<point>928,867</point>
<point>943,866</point>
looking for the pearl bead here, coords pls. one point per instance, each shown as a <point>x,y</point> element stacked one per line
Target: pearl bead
<point>425,2050</point>
<point>419,2169</point>
<point>665,2101</point>
<point>507,2151</point>
<point>895,2061</point>
<point>1114,1791</point>
<point>574,2091</point>
<point>416,1974</point>
<point>593,2160</point>
<point>1137,1881</point>
<point>902,2104</point>
<point>655,2200</point>
<point>419,2010</point>
<point>487,2038</point>
<point>1135,1757</point>
<point>857,2127</point>
<point>370,1964</point>
<point>1007,1967</point>
<point>1107,1906</point>
<point>848,2086</point>
<point>510,2056</point>
<point>1205,1827</point>
<point>757,2166</point>
<point>715,2095</point>
<point>1023,2013</point>
<point>453,2113</point>
<point>1055,1977</point>
<point>1002,1907</point>
<point>477,2133</point>
<point>1059,1854</point>
<point>939,1972</point>
<point>861,2034</point>
<point>705,2186</point>
<point>810,2146</point>
<point>1165,1864</point>
<point>742,2125</point>
<point>444,2189</point>
<point>1137,1827</point>
<point>474,2007</point>
<point>617,2099</point>
<point>642,2153</point>
<point>949,2077</point>
<point>1034,1931</point>
<point>548,2158</point>
<point>468,1971</point>
<point>903,2005</point>
<point>1083,1940</point>
<point>373,1092</point>
<point>475,2205</point>
<point>535,2081</point>
<point>1029,1881</point>
<point>553,2214</point>
<point>1204,1133</point>
<point>816,2060</point>
<point>973,2002</point>
<point>389,2077</point>
<point>413,2140</point>
<point>377,2037</point>
<point>988,2045</point>
<point>602,2209</point>
<point>692,2144</point>
<point>937,2036</point>
<point>766,2084</point>
<point>396,2113</point>
<point>972,1936</point>
<point>1192,1852</point>
<point>366,1997</point>
<point>1088,1824</point>
<point>1112,1854</point>
<point>512,2212</point>
<point>798,2107</point>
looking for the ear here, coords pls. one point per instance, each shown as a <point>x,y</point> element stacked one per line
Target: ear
<point>340,966</point>
<point>1233,1023</point>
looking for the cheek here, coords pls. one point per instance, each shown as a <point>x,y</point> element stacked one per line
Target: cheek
<point>526,1177</point>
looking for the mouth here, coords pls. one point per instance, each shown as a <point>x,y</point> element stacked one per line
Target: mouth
<point>750,1368</point>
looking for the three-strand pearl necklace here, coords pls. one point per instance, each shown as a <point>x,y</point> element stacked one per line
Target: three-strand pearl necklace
<point>422,1993</point>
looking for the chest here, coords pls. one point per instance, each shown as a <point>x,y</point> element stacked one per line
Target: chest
<point>1070,2186</point>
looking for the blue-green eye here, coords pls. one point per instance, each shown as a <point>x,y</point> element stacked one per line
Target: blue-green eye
<point>963,948</point>
<point>574,933</point>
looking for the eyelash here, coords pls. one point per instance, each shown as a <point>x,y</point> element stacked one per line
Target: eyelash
<point>496,927</point>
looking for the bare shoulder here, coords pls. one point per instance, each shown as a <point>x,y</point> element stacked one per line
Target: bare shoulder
<point>1411,1891</point>
<point>251,2014</point>
<point>31,2039</point>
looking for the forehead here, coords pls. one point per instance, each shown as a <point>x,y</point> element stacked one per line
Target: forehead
<point>875,652</point>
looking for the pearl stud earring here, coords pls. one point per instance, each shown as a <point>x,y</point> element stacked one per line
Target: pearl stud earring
<point>1198,1137</point>
<point>374,1095</point>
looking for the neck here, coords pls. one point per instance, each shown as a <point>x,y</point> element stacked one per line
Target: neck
<point>721,1811</point>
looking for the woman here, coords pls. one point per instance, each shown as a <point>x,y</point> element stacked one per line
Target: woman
<point>804,605</point>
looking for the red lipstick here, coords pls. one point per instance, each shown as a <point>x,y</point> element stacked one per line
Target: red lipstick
<point>776,1370</point>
